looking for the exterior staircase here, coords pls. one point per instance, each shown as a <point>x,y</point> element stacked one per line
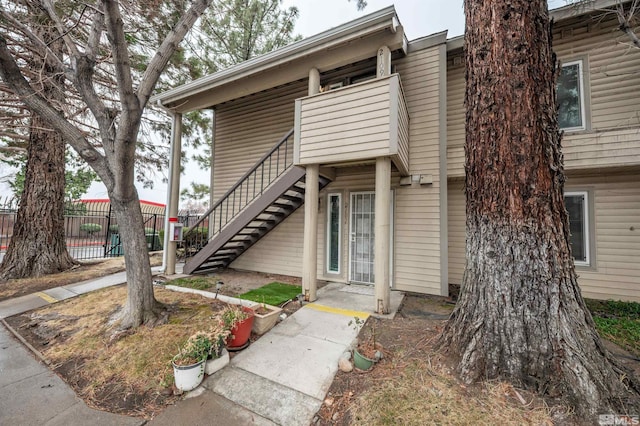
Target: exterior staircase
<point>264,197</point>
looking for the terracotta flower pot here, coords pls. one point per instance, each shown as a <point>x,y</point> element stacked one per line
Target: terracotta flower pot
<point>241,332</point>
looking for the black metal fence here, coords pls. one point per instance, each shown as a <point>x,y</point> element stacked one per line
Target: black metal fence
<point>90,227</point>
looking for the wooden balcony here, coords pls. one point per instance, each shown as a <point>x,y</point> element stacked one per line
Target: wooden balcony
<point>357,123</point>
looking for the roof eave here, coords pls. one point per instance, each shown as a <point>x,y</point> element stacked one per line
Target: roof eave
<point>383,19</point>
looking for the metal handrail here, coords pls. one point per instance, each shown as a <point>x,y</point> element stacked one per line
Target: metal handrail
<point>194,236</point>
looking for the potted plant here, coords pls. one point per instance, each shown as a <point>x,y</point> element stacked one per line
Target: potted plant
<point>188,363</point>
<point>266,317</point>
<point>367,352</point>
<point>218,356</point>
<point>238,320</point>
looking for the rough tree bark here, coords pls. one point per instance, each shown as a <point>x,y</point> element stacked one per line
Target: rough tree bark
<point>520,315</point>
<point>38,245</point>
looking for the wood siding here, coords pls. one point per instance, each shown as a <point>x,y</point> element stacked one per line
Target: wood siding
<point>245,130</point>
<point>612,95</point>
<point>615,273</point>
<point>353,123</point>
<point>418,211</point>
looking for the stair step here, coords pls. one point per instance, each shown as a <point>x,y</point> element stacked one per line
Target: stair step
<point>292,198</point>
<point>285,206</point>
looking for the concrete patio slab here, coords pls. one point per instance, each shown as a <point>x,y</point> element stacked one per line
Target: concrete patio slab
<point>356,297</point>
<point>313,321</point>
<point>280,404</point>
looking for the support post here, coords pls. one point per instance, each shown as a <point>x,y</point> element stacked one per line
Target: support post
<point>382,228</point>
<point>173,192</point>
<point>384,62</point>
<point>314,81</point>
<point>310,248</point>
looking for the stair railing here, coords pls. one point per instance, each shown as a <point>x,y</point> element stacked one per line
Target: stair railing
<point>249,187</point>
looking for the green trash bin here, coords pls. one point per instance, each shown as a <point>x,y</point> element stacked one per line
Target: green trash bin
<point>153,242</point>
<point>115,246</point>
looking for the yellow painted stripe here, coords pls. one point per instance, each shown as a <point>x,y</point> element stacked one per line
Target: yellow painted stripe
<point>339,311</point>
<point>46,297</point>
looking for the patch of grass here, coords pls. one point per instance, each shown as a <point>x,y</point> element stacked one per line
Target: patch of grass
<point>273,293</point>
<point>613,308</point>
<point>618,322</point>
<point>198,283</point>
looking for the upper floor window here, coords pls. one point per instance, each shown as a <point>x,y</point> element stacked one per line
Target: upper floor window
<point>571,108</point>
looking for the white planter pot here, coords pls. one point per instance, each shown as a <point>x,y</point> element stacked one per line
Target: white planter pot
<point>216,364</point>
<point>188,377</point>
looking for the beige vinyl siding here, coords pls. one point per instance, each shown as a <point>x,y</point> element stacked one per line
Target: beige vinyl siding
<point>350,123</point>
<point>612,94</point>
<point>457,231</point>
<point>455,100</point>
<point>615,273</point>
<point>245,130</point>
<point>403,132</point>
<point>417,208</point>
<point>356,122</point>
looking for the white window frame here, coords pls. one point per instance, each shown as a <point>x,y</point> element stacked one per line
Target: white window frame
<point>328,231</point>
<point>587,226</point>
<point>583,110</point>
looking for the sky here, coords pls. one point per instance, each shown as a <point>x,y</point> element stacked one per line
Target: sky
<point>418,17</point>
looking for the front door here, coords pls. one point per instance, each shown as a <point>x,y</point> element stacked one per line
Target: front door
<point>362,240</point>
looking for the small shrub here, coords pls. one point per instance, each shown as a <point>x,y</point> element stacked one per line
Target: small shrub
<point>91,228</point>
<point>113,228</point>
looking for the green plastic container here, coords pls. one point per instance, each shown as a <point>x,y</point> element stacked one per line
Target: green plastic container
<point>361,362</point>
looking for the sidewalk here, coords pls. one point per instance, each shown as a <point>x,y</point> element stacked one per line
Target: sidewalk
<point>280,379</point>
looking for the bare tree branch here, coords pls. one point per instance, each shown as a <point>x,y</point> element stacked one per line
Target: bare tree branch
<point>49,55</point>
<point>120,52</point>
<point>10,73</point>
<point>167,48</point>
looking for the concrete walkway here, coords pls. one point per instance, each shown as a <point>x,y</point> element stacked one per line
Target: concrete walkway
<point>280,379</point>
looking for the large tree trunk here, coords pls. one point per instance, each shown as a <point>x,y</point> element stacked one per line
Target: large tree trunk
<point>520,315</point>
<point>141,306</point>
<point>38,245</point>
